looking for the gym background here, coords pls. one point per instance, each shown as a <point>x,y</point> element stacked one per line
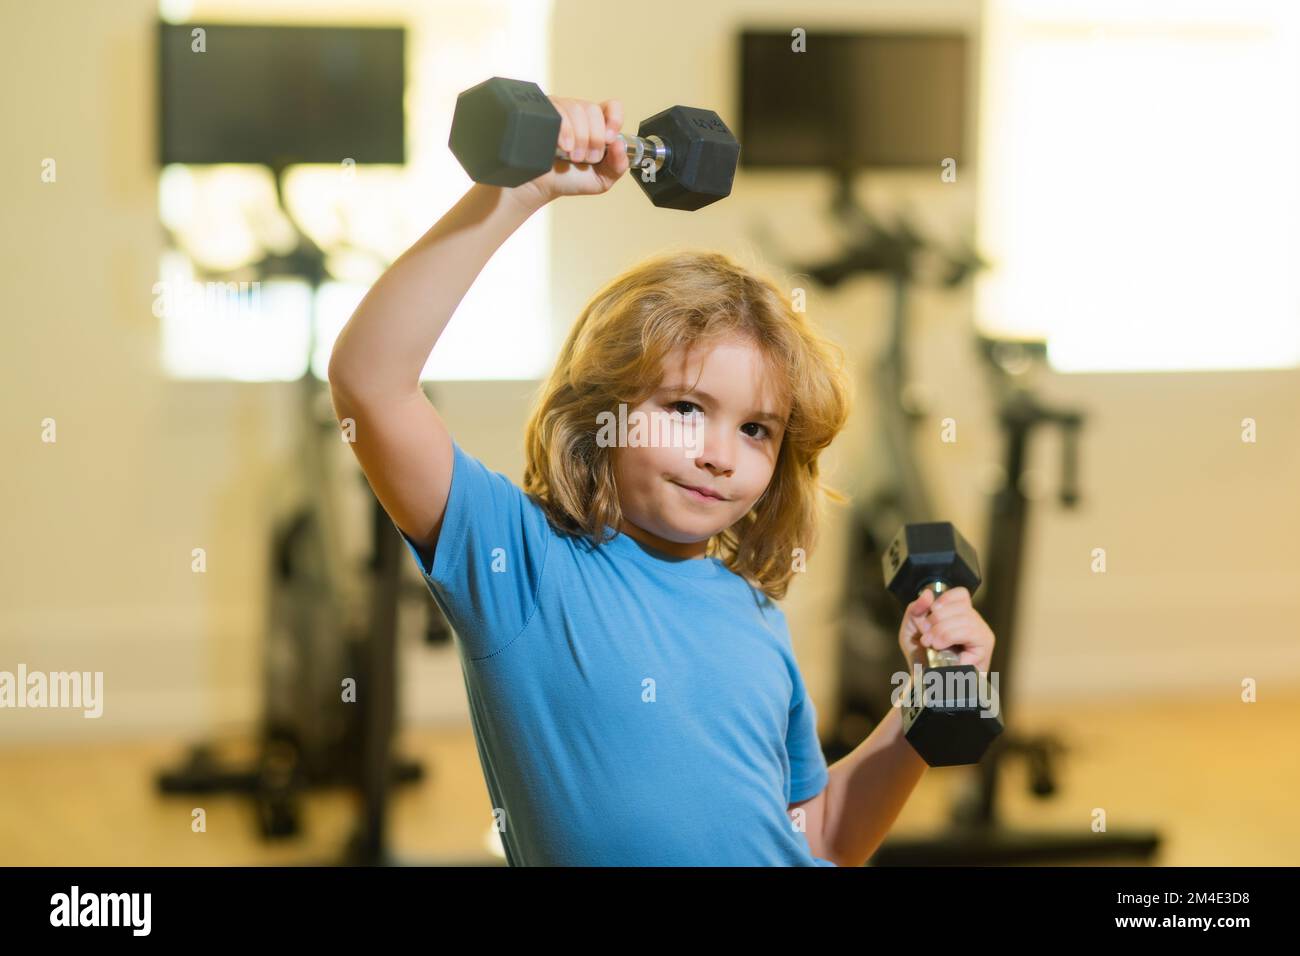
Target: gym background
<point>1120,187</point>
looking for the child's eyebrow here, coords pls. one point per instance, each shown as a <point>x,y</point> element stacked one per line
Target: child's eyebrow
<point>687,390</point>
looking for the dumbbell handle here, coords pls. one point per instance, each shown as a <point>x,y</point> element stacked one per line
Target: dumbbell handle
<point>942,657</point>
<point>639,150</point>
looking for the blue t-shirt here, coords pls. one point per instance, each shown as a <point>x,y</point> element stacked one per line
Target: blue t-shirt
<point>630,708</point>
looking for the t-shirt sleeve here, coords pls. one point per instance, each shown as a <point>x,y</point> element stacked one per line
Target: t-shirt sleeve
<point>808,771</point>
<point>487,566</point>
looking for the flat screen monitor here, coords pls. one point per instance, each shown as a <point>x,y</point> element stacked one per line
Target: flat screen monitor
<point>852,100</point>
<point>279,95</point>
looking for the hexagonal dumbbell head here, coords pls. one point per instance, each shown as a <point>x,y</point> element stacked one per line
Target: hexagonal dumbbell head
<point>504,132</point>
<point>954,732</point>
<point>950,725</point>
<point>702,161</point>
<point>926,552</point>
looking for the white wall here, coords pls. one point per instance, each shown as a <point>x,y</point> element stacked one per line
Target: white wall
<point>1199,528</point>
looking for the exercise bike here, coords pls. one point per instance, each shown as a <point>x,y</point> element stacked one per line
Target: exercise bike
<point>870,616</point>
<point>327,621</point>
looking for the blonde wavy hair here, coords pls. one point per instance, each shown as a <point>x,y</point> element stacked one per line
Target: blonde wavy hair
<point>614,353</point>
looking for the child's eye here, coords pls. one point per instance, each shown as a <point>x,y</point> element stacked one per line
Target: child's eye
<point>763,437</point>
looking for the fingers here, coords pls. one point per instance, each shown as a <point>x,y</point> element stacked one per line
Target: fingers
<point>948,621</point>
<point>974,644</point>
<point>584,133</point>
<point>613,110</point>
<point>954,596</point>
<point>951,605</point>
<point>946,606</point>
<point>595,133</point>
<point>587,129</point>
<point>941,636</point>
<point>580,120</point>
<point>616,155</point>
<point>921,606</point>
<point>566,127</point>
<point>573,126</point>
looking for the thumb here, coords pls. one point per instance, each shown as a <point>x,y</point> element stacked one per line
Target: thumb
<point>917,610</point>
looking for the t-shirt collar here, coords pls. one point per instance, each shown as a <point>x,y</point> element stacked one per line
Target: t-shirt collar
<point>625,545</point>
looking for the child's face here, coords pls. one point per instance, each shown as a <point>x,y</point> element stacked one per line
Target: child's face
<point>732,450</point>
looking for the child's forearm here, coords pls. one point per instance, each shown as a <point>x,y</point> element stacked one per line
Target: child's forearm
<point>867,790</point>
<point>386,343</point>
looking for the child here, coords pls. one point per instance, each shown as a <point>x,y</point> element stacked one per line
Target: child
<point>632,688</point>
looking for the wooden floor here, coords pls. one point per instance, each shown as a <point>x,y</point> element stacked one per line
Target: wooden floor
<point>1217,778</point>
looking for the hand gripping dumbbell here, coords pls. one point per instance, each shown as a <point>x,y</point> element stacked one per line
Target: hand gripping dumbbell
<point>505,132</point>
<point>945,722</point>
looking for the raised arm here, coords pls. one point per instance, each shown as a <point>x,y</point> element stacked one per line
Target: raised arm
<point>374,372</point>
<point>400,440</point>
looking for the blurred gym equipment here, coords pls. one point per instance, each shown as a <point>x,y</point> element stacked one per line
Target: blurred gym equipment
<point>815,113</point>
<point>869,649</point>
<point>329,621</point>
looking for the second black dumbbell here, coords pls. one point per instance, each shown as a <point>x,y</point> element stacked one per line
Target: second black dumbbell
<point>956,712</point>
<point>505,132</point>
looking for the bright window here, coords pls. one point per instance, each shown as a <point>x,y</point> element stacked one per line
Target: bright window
<point>245,328</point>
<point>1138,181</point>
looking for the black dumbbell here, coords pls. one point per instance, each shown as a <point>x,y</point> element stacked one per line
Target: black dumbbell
<point>946,724</point>
<point>504,132</point>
